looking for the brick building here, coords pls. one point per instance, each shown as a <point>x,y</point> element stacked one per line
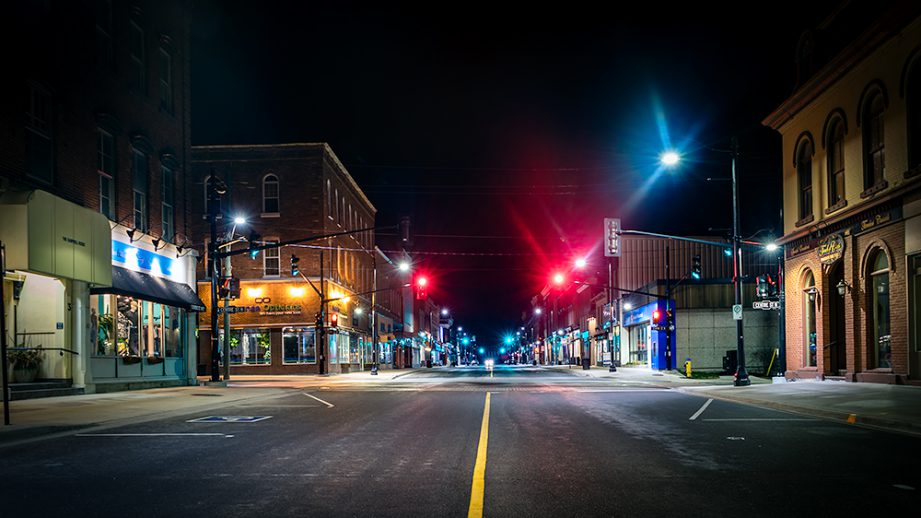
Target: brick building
<point>93,206</point>
<point>287,192</point>
<point>852,197</point>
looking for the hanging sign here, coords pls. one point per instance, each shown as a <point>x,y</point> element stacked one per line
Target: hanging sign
<point>831,249</point>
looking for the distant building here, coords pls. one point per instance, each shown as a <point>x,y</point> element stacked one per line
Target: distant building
<point>93,182</point>
<point>577,322</point>
<point>287,192</point>
<point>852,197</point>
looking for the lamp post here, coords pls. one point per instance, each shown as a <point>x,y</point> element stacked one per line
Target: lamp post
<point>671,159</point>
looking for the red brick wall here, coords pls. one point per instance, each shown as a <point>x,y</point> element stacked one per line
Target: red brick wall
<point>61,57</point>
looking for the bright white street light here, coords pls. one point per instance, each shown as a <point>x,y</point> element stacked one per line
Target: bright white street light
<point>771,247</point>
<point>628,306</point>
<point>359,311</point>
<point>580,262</point>
<point>403,266</point>
<point>444,312</point>
<point>538,311</point>
<point>670,158</point>
<point>239,220</point>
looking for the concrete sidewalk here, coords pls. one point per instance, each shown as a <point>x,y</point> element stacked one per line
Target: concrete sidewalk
<point>668,379</point>
<point>889,407</point>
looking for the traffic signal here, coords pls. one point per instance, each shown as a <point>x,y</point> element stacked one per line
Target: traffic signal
<point>765,286</point>
<point>668,317</point>
<point>656,315</point>
<point>295,270</point>
<point>334,320</point>
<point>234,287</point>
<point>420,286</point>
<point>695,267</point>
<point>253,243</point>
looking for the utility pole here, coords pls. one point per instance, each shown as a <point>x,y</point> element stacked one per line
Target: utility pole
<point>614,311</point>
<point>6,371</point>
<point>668,309</point>
<point>228,274</point>
<point>741,377</point>
<point>321,323</point>
<point>374,335</point>
<point>216,189</point>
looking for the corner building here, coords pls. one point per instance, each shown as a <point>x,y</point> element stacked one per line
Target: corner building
<point>852,198</point>
<point>288,192</point>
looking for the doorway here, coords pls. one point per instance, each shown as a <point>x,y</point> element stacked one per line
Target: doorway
<point>914,316</point>
<point>835,347</point>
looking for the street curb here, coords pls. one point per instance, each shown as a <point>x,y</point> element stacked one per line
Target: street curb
<point>827,415</point>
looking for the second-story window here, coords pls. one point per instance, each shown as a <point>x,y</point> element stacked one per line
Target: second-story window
<point>167,196</point>
<point>105,55</point>
<point>271,262</point>
<point>138,52</point>
<point>39,141</point>
<point>270,194</point>
<point>804,177</point>
<point>836,163</point>
<point>873,142</point>
<point>141,178</point>
<point>105,166</point>
<point>166,80</point>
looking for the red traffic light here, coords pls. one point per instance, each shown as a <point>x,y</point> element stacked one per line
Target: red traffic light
<point>422,282</point>
<point>558,279</point>
<point>334,320</point>
<point>656,314</point>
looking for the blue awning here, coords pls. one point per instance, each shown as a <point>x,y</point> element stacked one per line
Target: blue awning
<point>155,289</point>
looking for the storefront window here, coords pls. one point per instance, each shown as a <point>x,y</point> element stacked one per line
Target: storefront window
<point>344,340</point>
<point>333,348</point>
<point>249,346</point>
<point>102,325</point>
<point>882,356</point>
<point>809,328</point>
<point>355,347</point>
<point>172,338</point>
<point>126,326</point>
<point>300,345</point>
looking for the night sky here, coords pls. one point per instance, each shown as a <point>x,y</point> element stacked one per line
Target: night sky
<point>508,133</point>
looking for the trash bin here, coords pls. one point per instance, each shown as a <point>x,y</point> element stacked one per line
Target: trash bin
<point>586,364</point>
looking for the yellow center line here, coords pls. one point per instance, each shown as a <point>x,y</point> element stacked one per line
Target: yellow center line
<point>479,469</point>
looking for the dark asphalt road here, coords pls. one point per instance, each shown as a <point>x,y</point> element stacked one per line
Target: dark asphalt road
<point>557,446</point>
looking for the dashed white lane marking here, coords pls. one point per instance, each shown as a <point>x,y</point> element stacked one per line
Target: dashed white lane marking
<point>330,405</point>
<point>701,410</point>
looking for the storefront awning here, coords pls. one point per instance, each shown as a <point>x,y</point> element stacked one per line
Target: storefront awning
<point>155,289</point>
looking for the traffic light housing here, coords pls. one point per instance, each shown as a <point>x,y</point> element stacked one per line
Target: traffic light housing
<point>295,270</point>
<point>656,315</point>
<point>334,320</point>
<point>420,286</point>
<point>695,267</point>
<point>765,286</point>
<point>234,287</point>
<point>253,243</point>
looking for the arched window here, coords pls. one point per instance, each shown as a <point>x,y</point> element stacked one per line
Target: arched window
<point>809,326</point>
<point>913,94</point>
<point>873,140</point>
<point>835,154</point>
<point>270,194</point>
<point>881,349</point>
<point>804,175</point>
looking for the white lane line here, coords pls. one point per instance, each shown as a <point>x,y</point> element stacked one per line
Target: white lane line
<point>761,419</point>
<point>153,435</point>
<point>704,407</point>
<point>330,405</point>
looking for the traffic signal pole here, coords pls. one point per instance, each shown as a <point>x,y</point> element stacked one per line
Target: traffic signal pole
<point>668,310</point>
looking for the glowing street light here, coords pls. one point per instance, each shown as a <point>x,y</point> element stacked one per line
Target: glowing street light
<point>538,311</point>
<point>670,158</point>
<point>444,312</point>
<point>581,262</point>
<point>770,247</point>
<point>403,266</point>
<point>558,278</point>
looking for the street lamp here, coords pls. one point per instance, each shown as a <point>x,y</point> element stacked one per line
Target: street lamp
<point>671,159</point>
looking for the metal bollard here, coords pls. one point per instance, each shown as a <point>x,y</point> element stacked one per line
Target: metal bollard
<point>687,368</point>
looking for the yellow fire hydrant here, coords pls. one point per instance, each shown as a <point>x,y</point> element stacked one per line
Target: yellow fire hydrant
<point>687,368</point>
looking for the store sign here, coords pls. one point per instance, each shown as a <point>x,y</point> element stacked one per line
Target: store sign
<point>137,259</point>
<point>831,249</point>
<point>281,309</point>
